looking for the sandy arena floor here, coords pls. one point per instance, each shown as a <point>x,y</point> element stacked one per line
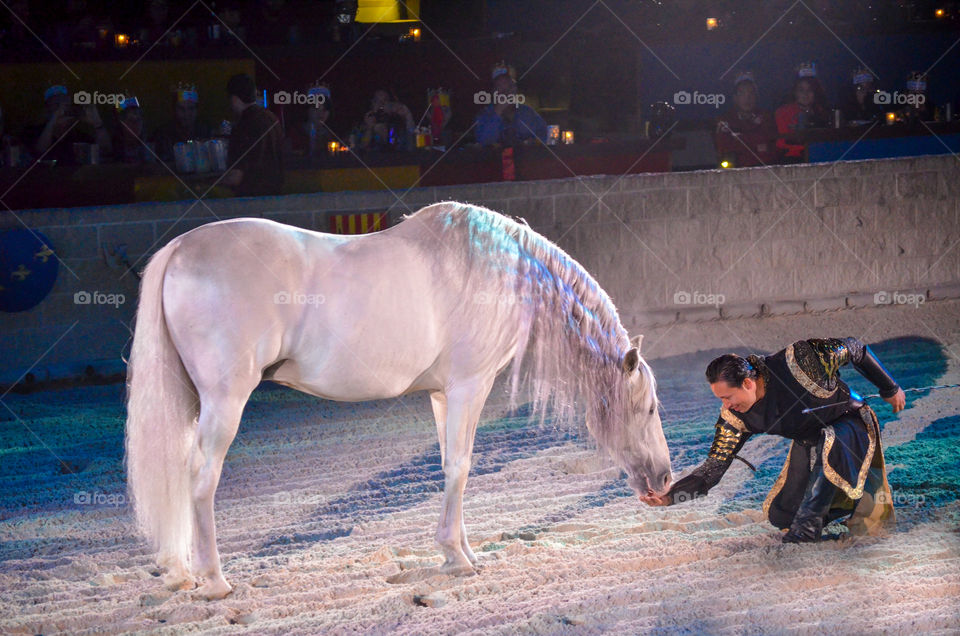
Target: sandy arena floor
<point>327,511</point>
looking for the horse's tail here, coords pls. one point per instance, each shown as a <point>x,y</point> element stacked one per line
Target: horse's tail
<point>161,414</point>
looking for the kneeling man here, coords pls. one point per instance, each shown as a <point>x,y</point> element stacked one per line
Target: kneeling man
<point>835,465</point>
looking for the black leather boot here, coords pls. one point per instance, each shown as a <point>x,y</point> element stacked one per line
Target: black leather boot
<point>807,525</point>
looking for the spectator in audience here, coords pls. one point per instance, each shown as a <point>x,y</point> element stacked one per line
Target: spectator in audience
<point>387,125</point>
<point>367,135</point>
<point>185,125</point>
<point>65,124</point>
<point>507,120</point>
<point>129,145</point>
<point>916,108</point>
<point>861,105</point>
<point>309,137</point>
<point>808,109</point>
<point>746,135</point>
<point>254,163</point>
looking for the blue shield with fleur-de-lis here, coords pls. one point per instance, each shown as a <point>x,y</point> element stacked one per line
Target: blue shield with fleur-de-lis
<point>28,269</point>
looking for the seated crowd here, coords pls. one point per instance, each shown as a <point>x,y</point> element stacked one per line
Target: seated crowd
<point>747,135</point>
<point>70,129</point>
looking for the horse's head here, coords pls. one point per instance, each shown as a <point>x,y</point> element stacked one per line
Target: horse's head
<point>635,435</point>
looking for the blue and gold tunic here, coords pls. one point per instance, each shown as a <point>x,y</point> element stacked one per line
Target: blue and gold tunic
<point>807,375</point>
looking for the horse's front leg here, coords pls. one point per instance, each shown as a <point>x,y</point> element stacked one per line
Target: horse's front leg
<point>450,533</point>
<point>464,404</point>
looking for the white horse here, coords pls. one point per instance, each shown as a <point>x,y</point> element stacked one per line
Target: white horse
<point>466,292</point>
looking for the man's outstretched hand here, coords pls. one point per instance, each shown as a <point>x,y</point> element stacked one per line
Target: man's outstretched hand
<point>657,500</point>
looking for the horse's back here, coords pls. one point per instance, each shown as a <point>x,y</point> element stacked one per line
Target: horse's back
<point>318,301</point>
<point>214,242</point>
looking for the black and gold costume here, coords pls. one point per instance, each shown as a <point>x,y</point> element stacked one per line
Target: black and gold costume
<point>842,441</point>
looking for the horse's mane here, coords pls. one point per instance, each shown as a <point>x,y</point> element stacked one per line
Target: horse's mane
<point>571,341</point>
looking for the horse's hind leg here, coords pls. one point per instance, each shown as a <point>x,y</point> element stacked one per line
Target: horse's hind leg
<point>220,413</point>
<point>464,404</point>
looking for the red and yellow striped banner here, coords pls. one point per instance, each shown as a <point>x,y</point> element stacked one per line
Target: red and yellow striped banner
<point>359,223</point>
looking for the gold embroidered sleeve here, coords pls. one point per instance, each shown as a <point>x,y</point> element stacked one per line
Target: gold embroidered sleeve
<point>829,354</point>
<point>727,416</point>
<point>834,351</point>
<point>728,439</point>
<point>816,363</point>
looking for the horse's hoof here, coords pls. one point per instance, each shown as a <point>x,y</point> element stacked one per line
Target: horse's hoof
<point>176,581</point>
<point>214,590</point>
<point>458,569</point>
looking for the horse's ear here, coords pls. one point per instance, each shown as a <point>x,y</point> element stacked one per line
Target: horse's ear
<point>636,341</point>
<point>631,360</point>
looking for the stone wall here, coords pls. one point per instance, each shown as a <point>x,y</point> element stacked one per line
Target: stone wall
<point>667,247</point>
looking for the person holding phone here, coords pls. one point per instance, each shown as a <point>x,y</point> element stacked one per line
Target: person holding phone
<point>65,123</point>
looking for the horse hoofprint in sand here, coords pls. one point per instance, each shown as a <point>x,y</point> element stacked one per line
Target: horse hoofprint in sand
<point>465,291</point>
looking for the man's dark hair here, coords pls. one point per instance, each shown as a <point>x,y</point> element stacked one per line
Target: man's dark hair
<point>242,86</point>
<point>730,368</point>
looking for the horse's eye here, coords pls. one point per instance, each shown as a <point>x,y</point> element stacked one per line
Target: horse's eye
<point>652,410</point>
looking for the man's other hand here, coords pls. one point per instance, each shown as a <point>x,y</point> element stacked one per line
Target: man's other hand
<point>898,401</point>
